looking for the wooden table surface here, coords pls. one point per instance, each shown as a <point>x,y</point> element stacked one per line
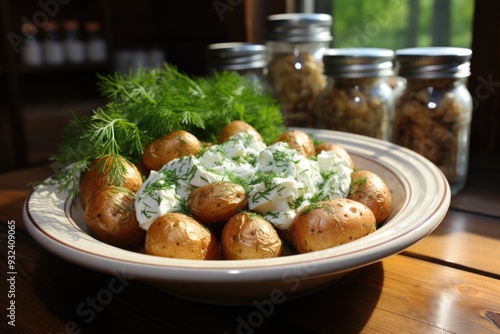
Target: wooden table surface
<point>443,284</point>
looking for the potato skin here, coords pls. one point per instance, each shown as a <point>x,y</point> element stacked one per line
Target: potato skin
<point>96,178</point>
<point>300,141</point>
<point>248,235</point>
<point>331,223</point>
<point>217,202</point>
<point>167,148</point>
<point>236,127</point>
<point>340,152</point>
<point>371,190</point>
<point>180,236</point>
<point>110,217</point>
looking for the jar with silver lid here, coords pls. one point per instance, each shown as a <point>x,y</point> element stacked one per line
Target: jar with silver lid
<point>245,58</point>
<point>357,98</point>
<point>296,43</point>
<point>434,110</point>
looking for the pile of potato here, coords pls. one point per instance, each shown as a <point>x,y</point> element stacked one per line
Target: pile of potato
<point>217,223</point>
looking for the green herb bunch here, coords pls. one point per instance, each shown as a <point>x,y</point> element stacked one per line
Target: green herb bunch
<point>147,104</point>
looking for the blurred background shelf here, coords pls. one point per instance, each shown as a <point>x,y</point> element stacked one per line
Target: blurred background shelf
<point>43,124</point>
<point>37,102</point>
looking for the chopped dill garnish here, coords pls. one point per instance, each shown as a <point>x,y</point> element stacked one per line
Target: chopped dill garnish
<point>231,177</point>
<point>168,181</point>
<point>283,159</point>
<point>266,178</point>
<point>297,202</point>
<point>269,185</point>
<point>358,185</point>
<point>315,206</point>
<point>183,205</point>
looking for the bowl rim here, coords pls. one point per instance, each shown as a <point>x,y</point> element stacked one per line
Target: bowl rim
<point>402,231</point>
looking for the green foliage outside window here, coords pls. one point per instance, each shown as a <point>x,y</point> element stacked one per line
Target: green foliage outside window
<point>397,24</point>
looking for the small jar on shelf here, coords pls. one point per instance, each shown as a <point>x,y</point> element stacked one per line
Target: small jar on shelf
<point>245,58</point>
<point>95,42</point>
<point>31,49</point>
<point>53,47</point>
<point>357,98</point>
<point>295,43</point>
<point>74,45</point>
<point>434,109</point>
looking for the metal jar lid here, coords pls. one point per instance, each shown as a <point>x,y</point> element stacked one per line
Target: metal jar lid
<point>433,62</point>
<point>236,56</point>
<point>358,62</point>
<point>299,27</point>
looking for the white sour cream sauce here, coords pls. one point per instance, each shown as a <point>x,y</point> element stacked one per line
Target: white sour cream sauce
<point>293,181</point>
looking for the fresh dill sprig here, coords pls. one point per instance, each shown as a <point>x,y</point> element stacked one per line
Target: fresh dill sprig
<point>114,135</point>
<point>147,104</point>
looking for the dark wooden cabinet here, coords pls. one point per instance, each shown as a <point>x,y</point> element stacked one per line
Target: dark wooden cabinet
<point>484,83</point>
<point>37,102</point>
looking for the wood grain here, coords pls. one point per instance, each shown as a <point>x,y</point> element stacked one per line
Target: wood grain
<point>442,284</point>
<point>465,240</point>
<point>14,188</point>
<point>401,295</point>
<point>397,295</point>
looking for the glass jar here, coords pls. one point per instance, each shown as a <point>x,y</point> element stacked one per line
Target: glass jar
<point>296,43</point>
<point>434,110</point>
<point>244,58</point>
<point>96,43</point>
<point>53,47</point>
<point>31,49</point>
<point>75,48</point>
<point>357,97</point>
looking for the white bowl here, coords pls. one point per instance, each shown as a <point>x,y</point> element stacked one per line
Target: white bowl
<point>421,198</point>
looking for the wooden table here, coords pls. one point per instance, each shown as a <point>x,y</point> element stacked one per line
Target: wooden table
<point>443,284</point>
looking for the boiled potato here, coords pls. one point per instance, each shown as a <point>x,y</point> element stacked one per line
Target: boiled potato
<point>98,176</point>
<point>236,127</point>
<point>369,188</point>
<point>110,217</point>
<point>180,236</point>
<point>286,234</point>
<point>331,223</point>
<point>300,141</point>
<point>248,235</point>
<point>340,152</point>
<point>172,146</point>
<point>217,202</point>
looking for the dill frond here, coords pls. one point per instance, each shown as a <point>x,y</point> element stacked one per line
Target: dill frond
<point>147,104</point>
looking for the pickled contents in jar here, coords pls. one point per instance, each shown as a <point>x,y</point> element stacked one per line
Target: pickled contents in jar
<point>432,119</point>
<point>296,81</point>
<point>362,106</point>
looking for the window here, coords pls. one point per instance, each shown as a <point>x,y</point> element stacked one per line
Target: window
<point>395,24</point>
